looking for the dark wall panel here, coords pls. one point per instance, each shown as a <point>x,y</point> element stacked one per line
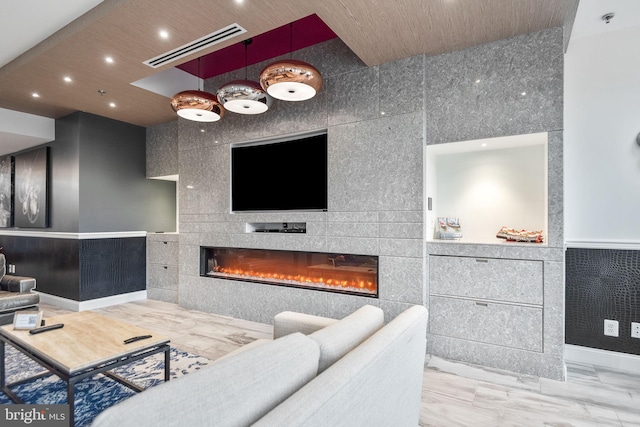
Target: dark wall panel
<point>115,194</point>
<point>63,176</point>
<point>602,284</point>
<point>53,263</point>
<point>64,199</point>
<point>112,266</point>
<point>80,270</point>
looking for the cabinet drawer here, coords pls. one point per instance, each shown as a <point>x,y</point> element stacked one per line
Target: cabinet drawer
<point>491,323</point>
<point>163,252</point>
<point>487,278</point>
<point>162,276</point>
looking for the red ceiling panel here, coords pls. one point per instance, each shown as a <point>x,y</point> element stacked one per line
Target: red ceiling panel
<point>302,33</point>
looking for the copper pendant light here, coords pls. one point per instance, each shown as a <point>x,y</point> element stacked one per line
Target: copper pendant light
<point>197,105</point>
<point>244,96</point>
<point>290,79</point>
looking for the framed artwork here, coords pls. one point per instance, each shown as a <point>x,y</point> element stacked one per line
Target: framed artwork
<point>6,191</point>
<point>31,173</point>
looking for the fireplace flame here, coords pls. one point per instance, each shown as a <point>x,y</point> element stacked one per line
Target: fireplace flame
<point>361,284</point>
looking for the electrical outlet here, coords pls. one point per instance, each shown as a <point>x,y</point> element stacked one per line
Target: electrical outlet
<point>611,327</point>
<point>635,330</point>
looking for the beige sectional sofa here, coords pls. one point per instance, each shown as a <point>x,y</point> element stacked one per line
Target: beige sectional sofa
<point>350,372</point>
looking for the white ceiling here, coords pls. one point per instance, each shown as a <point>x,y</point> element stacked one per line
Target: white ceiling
<point>24,24</point>
<point>589,17</point>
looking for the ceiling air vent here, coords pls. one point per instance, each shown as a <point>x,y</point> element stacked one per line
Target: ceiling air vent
<point>209,40</point>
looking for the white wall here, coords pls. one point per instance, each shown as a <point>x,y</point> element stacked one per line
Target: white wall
<point>601,157</point>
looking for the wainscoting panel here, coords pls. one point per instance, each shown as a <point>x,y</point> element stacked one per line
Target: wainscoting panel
<point>53,262</point>
<point>602,284</point>
<point>72,266</point>
<point>112,266</point>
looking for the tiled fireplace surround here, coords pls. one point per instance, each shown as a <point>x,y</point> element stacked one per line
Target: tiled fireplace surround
<point>378,121</point>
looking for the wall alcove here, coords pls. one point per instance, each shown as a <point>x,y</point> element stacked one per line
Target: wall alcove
<point>487,184</point>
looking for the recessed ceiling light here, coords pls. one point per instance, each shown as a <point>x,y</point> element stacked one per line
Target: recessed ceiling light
<point>190,187</point>
<point>112,104</point>
<point>523,93</point>
<point>109,60</point>
<point>67,79</point>
<point>239,1</point>
<point>478,81</point>
<point>484,144</point>
<point>164,34</point>
<point>35,95</point>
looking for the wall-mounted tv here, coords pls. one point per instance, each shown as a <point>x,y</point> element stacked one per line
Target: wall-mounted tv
<point>281,175</point>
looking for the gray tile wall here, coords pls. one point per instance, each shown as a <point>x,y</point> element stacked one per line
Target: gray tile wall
<point>378,120</point>
<point>376,133</point>
<point>509,87</point>
<point>162,149</point>
<point>478,92</point>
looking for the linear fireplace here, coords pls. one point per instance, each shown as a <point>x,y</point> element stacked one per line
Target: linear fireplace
<point>333,272</point>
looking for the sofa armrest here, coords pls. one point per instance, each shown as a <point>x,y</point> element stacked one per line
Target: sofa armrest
<point>17,283</point>
<point>341,337</point>
<point>379,383</point>
<point>288,322</point>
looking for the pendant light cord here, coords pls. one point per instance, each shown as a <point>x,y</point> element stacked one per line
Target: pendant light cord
<point>246,44</point>
<point>246,49</point>
<point>290,40</point>
<point>200,79</point>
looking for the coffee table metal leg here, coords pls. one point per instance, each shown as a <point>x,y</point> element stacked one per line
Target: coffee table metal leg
<point>2,377</point>
<point>167,367</point>
<point>71,399</point>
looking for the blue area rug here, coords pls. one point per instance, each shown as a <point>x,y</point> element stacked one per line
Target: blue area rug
<point>94,394</point>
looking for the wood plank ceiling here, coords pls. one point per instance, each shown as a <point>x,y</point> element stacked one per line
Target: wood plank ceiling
<point>378,31</point>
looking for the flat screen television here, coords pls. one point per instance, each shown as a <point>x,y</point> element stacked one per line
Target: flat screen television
<point>285,175</point>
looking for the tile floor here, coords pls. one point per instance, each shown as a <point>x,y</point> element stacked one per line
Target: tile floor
<point>454,394</point>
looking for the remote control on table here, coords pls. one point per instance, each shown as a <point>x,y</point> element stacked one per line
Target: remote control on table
<point>138,338</point>
<point>46,328</point>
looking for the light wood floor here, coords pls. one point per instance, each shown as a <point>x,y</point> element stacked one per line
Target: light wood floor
<point>454,394</point>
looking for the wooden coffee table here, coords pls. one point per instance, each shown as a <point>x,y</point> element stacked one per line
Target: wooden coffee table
<point>88,344</point>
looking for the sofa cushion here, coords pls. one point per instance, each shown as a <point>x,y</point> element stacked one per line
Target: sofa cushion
<point>379,383</point>
<point>341,337</point>
<point>17,283</point>
<point>288,322</point>
<point>12,301</point>
<point>235,391</point>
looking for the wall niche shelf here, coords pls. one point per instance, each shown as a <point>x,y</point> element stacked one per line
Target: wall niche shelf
<point>487,184</point>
